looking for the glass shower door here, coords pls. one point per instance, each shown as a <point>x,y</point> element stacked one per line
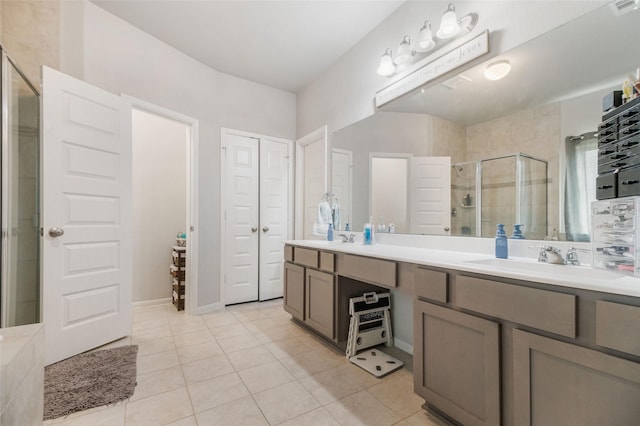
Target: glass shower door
<point>20,297</point>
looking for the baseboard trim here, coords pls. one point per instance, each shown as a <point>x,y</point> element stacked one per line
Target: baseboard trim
<point>151,302</point>
<point>403,346</point>
<point>201,310</point>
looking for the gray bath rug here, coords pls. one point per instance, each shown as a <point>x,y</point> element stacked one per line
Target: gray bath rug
<point>89,380</point>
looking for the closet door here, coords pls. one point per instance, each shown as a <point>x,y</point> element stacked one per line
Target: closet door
<point>242,192</point>
<point>274,207</point>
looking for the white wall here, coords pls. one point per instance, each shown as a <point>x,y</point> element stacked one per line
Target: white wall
<point>344,93</point>
<point>159,180</point>
<point>121,58</point>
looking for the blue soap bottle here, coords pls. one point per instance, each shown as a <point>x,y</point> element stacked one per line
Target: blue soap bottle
<point>517,233</point>
<point>502,249</point>
<point>330,232</point>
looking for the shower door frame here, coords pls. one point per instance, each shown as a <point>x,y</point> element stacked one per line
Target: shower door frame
<point>6,62</point>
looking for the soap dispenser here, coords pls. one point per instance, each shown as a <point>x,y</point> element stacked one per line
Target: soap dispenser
<point>367,233</point>
<point>502,249</point>
<point>517,232</point>
<point>330,232</point>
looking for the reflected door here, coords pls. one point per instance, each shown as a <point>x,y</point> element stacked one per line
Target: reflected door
<point>430,196</point>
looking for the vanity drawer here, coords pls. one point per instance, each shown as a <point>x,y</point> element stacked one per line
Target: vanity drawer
<point>375,271</point>
<point>629,182</point>
<point>306,257</point>
<point>542,309</point>
<point>288,253</point>
<point>327,261</point>
<point>618,327</point>
<point>606,186</point>
<point>432,285</point>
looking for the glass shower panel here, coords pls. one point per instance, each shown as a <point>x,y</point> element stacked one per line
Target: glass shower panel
<point>20,205</point>
<point>463,199</point>
<point>532,212</point>
<point>498,192</point>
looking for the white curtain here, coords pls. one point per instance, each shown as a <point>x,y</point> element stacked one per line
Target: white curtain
<point>580,185</point>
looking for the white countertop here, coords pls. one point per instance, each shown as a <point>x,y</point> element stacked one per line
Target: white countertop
<point>582,277</point>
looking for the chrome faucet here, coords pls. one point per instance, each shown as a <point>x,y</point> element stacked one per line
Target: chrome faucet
<point>347,238</point>
<point>572,256</point>
<point>549,254</point>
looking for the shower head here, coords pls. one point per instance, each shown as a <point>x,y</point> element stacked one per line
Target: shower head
<point>459,169</point>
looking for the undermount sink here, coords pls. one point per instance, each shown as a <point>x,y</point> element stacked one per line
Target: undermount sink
<point>540,268</point>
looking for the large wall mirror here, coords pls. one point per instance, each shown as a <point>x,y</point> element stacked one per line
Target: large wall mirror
<point>528,137</point>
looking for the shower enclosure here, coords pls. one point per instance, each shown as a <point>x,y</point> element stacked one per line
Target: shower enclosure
<point>19,204</point>
<point>509,190</point>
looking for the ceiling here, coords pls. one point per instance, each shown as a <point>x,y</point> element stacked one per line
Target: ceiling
<point>282,44</point>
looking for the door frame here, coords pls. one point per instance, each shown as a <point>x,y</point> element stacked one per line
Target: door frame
<point>320,133</point>
<point>224,133</point>
<point>191,278</point>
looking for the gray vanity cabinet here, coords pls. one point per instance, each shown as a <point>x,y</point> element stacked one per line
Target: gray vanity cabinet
<point>320,301</point>
<point>557,383</point>
<point>294,290</point>
<point>456,363</point>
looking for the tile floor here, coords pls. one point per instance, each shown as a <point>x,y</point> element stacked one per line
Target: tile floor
<point>248,365</point>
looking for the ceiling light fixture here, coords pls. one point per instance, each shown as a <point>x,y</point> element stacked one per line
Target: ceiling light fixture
<point>450,29</point>
<point>497,70</point>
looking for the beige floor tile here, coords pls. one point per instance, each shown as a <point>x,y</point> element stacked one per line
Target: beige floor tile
<point>111,416</point>
<point>236,343</point>
<point>155,362</point>
<point>309,363</point>
<point>265,376</point>
<point>187,421</point>
<point>217,391</point>
<point>422,418</point>
<point>336,383</point>
<point>158,382</point>
<point>207,368</point>
<point>220,319</point>
<point>250,315</point>
<point>229,331</point>
<point>187,327</point>
<point>260,325</point>
<point>147,346</point>
<point>287,348</point>
<point>285,402</point>
<point>243,411</point>
<point>159,409</point>
<point>319,416</point>
<point>362,409</point>
<point>200,351</point>
<point>153,333</point>
<point>396,392</point>
<point>276,334</point>
<point>195,338</point>
<point>252,357</point>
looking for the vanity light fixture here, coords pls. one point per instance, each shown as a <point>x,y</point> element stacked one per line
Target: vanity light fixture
<point>386,67</point>
<point>449,26</point>
<point>497,70</point>
<point>450,29</point>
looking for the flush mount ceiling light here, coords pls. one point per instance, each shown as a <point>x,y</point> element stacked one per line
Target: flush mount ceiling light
<point>497,70</point>
<point>450,29</point>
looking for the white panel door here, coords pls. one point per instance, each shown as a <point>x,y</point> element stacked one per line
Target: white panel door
<point>430,194</point>
<point>242,220</point>
<point>274,209</point>
<point>87,200</point>
<point>314,184</point>
<point>342,183</point>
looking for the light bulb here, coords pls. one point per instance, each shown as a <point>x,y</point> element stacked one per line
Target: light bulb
<point>386,67</point>
<point>497,70</point>
<point>405,55</point>
<point>425,42</point>
<point>449,26</point>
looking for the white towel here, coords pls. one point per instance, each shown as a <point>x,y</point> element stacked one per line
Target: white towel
<point>323,220</point>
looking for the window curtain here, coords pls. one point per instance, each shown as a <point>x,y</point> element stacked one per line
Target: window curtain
<point>580,185</point>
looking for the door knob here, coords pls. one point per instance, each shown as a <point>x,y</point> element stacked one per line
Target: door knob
<point>56,232</point>
<point>446,229</point>
<point>254,229</point>
<point>265,229</point>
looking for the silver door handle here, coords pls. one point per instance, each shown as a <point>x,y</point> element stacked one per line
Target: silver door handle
<point>56,232</point>
<point>265,229</point>
<point>446,229</point>
<point>254,229</point>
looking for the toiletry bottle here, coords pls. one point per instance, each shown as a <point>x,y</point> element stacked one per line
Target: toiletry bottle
<point>366,233</point>
<point>517,232</point>
<point>347,227</point>
<point>502,250</point>
<point>330,232</point>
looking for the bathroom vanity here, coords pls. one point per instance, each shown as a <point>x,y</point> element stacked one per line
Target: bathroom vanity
<point>496,342</point>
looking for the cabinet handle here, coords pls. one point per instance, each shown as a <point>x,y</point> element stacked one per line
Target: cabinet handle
<point>265,229</point>
<point>616,165</point>
<point>607,152</point>
<point>605,186</point>
<point>254,229</point>
<point>618,156</point>
<point>629,143</point>
<point>629,182</point>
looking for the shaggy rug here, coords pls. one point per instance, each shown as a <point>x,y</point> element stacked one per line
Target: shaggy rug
<point>89,380</point>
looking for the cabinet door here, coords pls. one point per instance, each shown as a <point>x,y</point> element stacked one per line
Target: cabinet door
<point>557,383</point>
<point>320,291</point>
<point>294,290</point>
<point>456,363</point>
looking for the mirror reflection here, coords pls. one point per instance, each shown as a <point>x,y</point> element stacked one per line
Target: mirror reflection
<point>536,118</point>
